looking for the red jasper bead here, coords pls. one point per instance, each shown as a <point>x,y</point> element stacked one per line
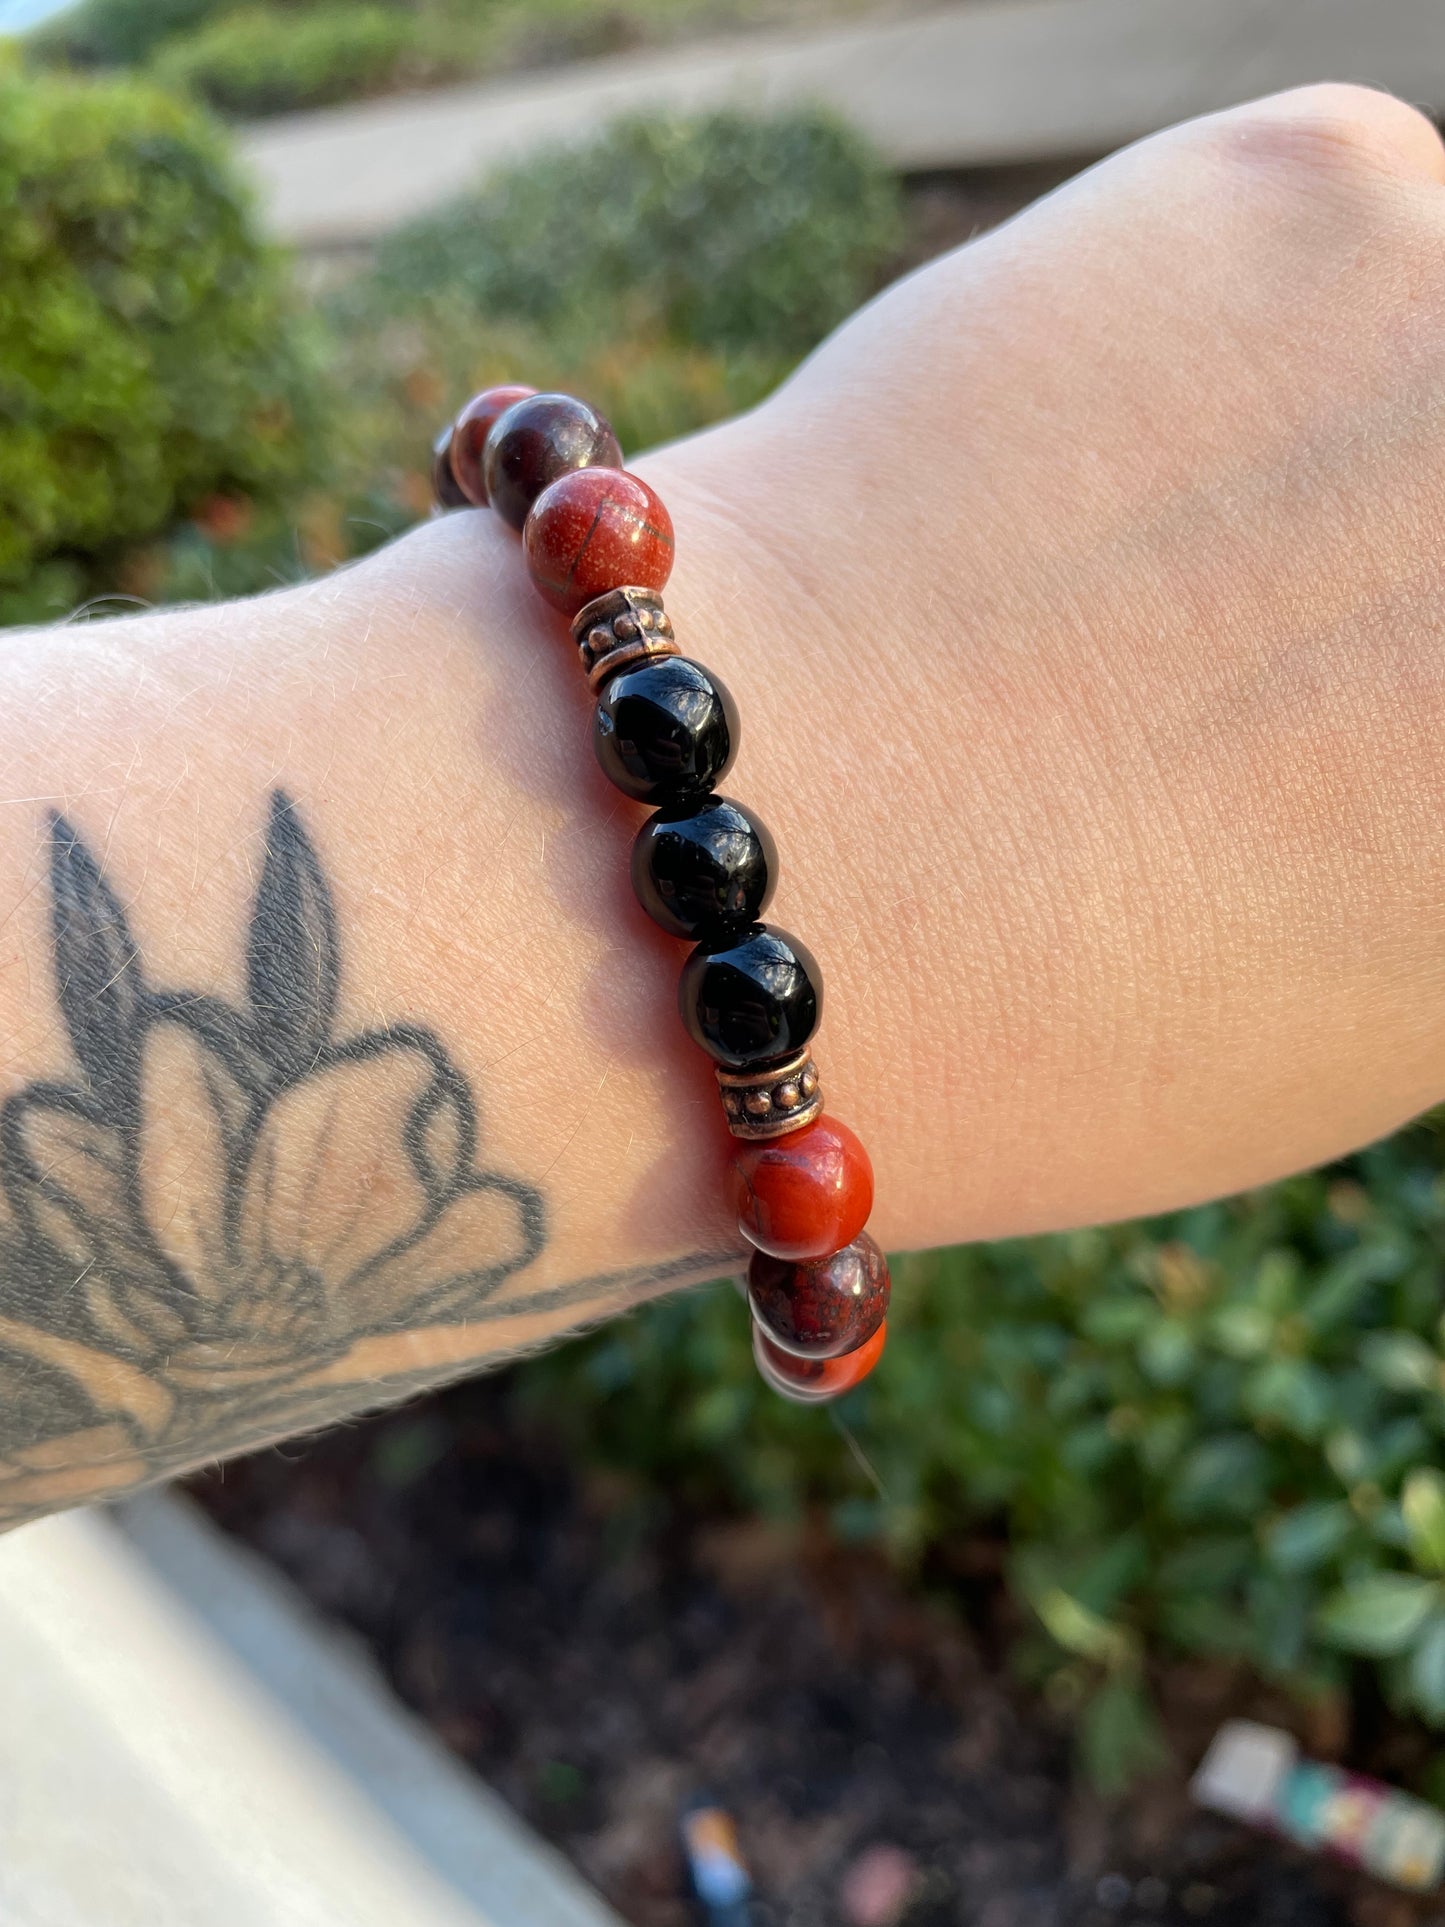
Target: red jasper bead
<point>813,1381</point>
<point>821,1310</point>
<point>803,1195</point>
<point>469,436</point>
<point>593,530</point>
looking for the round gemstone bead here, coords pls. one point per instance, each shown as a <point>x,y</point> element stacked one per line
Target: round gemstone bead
<point>594,530</point>
<point>444,484</point>
<point>537,440</point>
<point>750,998</point>
<point>469,436</point>
<point>821,1310</point>
<point>704,867</point>
<point>805,1194</point>
<point>814,1381</point>
<point>665,730</point>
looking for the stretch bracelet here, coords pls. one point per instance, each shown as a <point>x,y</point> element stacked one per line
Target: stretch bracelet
<point>599,547</point>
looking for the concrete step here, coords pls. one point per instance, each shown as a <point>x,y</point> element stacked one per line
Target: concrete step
<point>183,1744</point>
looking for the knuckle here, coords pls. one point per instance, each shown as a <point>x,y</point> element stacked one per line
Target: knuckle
<point>1335,126</point>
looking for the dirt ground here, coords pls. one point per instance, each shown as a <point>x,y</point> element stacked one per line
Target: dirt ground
<point>600,1659</point>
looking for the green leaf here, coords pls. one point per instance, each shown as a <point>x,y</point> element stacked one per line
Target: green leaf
<point>1243,1331</point>
<point>1379,1615</point>
<point>1119,1737</point>
<point>1115,1321</point>
<point>1222,1477</point>
<point>1400,1361</point>
<point>1292,1393</point>
<point>1427,1672</point>
<point>1423,1504</point>
<point>1166,1352</point>
<point>1303,1539</point>
<point>1103,1580</point>
<point>1078,1630</point>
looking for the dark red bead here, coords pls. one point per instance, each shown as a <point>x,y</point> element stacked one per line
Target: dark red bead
<point>537,440</point>
<point>825,1309</point>
<point>805,1194</point>
<point>469,437</point>
<point>814,1381</point>
<point>594,530</point>
<point>444,485</point>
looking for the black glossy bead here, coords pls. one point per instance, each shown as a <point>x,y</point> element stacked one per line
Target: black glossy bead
<point>537,440</point>
<point>444,484</point>
<point>665,730</point>
<point>704,868</point>
<point>748,999</point>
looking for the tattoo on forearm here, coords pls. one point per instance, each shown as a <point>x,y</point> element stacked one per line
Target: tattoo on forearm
<point>198,1227</point>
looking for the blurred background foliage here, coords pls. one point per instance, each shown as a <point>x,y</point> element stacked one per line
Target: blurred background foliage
<point>152,352</point>
<point>722,247</point>
<point>257,57</point>
<point>1219,1434</point>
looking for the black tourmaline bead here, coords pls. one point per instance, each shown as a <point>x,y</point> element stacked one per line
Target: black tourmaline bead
<point>444,484</point>
<point>704,868</point>
<point>537,440</point>
<point>753,997</point>
<point>665,731</point>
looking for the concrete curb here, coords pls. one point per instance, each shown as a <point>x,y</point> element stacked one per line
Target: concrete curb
<point>185,1745</point>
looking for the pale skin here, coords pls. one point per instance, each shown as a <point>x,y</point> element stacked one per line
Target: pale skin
<point>1085,604</point>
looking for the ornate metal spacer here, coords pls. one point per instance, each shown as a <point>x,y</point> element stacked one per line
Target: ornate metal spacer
<point>622,627</point>
<point>766,1103</point>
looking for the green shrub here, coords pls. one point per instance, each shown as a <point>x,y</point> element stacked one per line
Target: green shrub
<point>444,39</point>
<point>1219,1433</point>
<point>149,355</point>
<point>404,355</point>
<point>725,231</point>
<point>118,33</point>
<point>271,60</point>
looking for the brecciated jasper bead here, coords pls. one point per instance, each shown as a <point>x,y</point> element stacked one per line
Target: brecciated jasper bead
<point>537,440</point>
<point>803,1195</point>
<point>821,1310</point>
<point>814,1381</point>
<point>594,530</point>
<point>704,867</point>
<point>665,730</point>
<point>469,437</point>
<point>749,998</point>
<point>444,484</point>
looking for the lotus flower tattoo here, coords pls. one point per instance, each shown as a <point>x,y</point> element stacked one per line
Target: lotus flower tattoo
<point>198,1228</point>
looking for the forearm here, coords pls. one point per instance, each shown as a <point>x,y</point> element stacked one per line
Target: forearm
<point>332,1054</point>
<point>338,1056</point>
<point>1085,625</point>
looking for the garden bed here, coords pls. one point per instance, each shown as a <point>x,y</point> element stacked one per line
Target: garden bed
<point>599,1657</point>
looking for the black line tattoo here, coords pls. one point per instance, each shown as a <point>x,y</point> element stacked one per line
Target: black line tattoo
<point>190,1240</point>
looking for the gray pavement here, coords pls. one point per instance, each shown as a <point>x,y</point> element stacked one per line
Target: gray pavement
<point>963,86</point>
<point>182,1744</point>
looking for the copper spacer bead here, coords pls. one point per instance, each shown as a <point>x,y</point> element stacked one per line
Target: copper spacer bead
<point>774,1099</point>
<point>624,626</point>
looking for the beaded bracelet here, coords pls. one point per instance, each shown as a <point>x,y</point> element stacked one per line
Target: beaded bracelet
<point>599,547</point>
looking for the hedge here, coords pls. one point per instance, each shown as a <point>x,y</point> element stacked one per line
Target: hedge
<point>262,60</point>
<point>727,231</point>
<point>150,352</point>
